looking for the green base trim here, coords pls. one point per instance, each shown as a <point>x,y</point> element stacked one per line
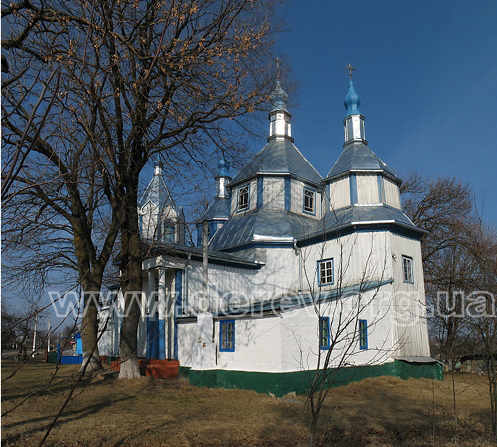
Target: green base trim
<point>183,372</point>
<point>299,382</point>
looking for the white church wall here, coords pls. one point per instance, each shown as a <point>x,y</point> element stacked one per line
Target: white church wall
<point>300,332</point>
<point>367,189</point>
<point>273,193</point>
<point>339,192</point>
<point>258,346</point>
<point>410,323</point>
<point>392,195</point>
<point>234,286</point>
<point>297,199</point>
<point>357,258</point>
<point>149,220</point>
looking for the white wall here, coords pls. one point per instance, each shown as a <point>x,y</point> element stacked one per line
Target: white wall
<point>290,341</point>
<point>367,189</point>
<point>273,193</point>
<point>410,304</point>
<point>392,195</point>
<point>358,258</point>
<point>339,192</point>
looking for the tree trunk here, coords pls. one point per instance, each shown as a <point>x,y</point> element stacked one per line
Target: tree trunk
<point>89,332</point>
<point>132,283</point>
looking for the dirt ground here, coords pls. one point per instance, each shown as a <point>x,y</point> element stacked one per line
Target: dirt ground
<point>153,412</point>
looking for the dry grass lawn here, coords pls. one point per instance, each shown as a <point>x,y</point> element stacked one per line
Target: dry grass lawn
<point>150,412</point>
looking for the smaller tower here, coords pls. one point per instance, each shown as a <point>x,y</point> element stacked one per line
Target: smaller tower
<point>218,211</point>
<point>280,126</point>
<point>160,219</point>
<point>222,178</point>
<point>354,120</point>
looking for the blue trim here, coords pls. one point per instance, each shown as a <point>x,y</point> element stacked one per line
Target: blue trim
<point>153,338</point>
<point>260,192</point>
<point>161,332</point>
<point>224,330</point>
<point>381,188</point>
<point>363,334</point>
<point>353,189</point>
<point>324,321</point>
<point>238,210</point>
<point>178,307</point>
<point>313,212</point>
<point>321,261</point>
<point>288,193</point>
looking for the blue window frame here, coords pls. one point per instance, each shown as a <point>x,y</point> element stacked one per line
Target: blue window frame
<point>227,336</point>
<point>309,205</point>
<point>243,198</point>
<point>325,272</point>
<point>324,332</point>
<point>363,334</point>
<point>407,270</point>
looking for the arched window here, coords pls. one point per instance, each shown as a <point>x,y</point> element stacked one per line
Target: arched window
<point>169,231</point>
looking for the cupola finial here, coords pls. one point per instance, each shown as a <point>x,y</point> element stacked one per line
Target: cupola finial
<point>354,121</point>
<point>279,117</point>
<point>223,176</point>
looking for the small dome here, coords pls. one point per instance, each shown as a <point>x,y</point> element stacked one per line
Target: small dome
<point>223,167</point>
<point>279,98</point>
<point>352,102</point>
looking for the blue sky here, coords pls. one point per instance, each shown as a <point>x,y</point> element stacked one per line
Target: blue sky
<point>426,73</point>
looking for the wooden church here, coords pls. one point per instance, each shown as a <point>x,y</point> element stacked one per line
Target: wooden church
<point>292,272</point>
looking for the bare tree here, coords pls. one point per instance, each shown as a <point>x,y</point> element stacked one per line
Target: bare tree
<point>136,79</point>
<point>482,307</point>
<point>444,208</point>
<point>340,313</point>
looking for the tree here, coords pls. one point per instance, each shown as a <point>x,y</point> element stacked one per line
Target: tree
<point>341,331</point>
<point>444,208</point>
<point>137,79</point>
<point>481,310</point>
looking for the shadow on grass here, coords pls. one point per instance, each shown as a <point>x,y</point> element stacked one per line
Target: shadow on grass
<point>66,417</point>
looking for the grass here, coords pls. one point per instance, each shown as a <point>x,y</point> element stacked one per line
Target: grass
<point>149,412</point>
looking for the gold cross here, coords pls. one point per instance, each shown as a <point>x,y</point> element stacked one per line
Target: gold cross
<point>350,68</point>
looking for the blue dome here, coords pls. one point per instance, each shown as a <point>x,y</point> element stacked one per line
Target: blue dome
<point>223,167</point>
<point>352,101</point>
<point>279,98</point>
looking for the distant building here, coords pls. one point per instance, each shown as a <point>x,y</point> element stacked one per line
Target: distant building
<point>295,262</point>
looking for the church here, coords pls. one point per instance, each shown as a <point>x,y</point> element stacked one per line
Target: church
<point>293,273</point>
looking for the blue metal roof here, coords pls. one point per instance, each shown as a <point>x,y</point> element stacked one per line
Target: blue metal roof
<point>279,157</point>
<point>218,209</point>
<point>358,214</point>
<point>269,225</point>
<point>358,157</point>
<point>293,302</point>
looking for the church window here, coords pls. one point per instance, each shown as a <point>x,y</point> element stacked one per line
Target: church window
<point>363,334</point>
<point>227,336</point>
<point>324,332</point>
<point>243,197</point>
<point>169,231</point>
<point>309,200</point>
<point>407,269</point>
<point>325,272</point>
